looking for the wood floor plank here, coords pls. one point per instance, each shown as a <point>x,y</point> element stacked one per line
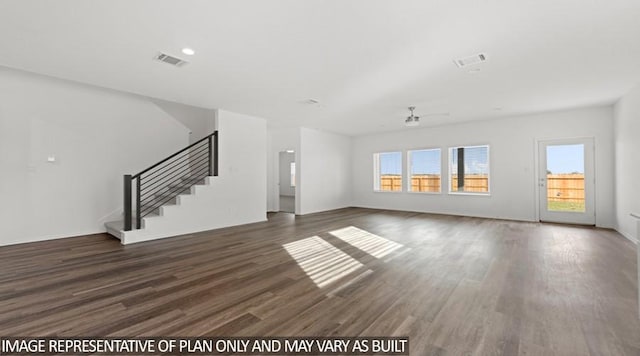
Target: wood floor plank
<point>454,285</point>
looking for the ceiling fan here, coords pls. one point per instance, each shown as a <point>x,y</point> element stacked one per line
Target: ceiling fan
<point>413,120</point>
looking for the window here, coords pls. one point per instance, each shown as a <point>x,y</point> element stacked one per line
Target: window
<point>387,172</point>
<point>469,169</point>
<point>293,174</point>
<point>424,170</point>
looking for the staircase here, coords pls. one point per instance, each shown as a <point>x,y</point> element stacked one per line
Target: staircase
<point>148,194</point>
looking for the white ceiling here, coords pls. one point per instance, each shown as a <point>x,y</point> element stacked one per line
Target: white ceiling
<point>364,60</point>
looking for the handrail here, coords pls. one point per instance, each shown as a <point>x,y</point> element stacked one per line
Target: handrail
<point>173,177</point>
<point>215,133</point>
<point>175,163</point>
<point>153,181</point>
<point>157,186</point>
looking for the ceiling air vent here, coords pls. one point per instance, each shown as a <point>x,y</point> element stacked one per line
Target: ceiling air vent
<point>463,62</point>
<point>162,57</point>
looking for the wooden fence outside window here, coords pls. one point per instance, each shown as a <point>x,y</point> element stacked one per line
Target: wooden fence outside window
<point>560,187</point>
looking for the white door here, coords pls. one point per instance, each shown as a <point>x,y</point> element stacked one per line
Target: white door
<point>566,181</point>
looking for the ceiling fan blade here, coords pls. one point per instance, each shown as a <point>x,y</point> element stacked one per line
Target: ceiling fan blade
<point>436,114</point>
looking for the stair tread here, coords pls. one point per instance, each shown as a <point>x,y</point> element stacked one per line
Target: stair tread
<point>175,189</point>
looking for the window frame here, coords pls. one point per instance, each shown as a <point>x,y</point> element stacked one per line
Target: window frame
<point>409,170</point>
<point>449,169</point>
<point>377,175</point>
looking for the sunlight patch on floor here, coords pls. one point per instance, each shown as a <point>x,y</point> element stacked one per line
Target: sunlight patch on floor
<point>320,260</point>
<point>374,245</point>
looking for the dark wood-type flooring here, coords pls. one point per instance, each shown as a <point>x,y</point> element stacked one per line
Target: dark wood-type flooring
<point>454,285</point>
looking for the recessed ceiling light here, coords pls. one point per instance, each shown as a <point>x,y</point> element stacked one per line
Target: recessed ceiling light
<point>188,51</point>
<point>290,151</point>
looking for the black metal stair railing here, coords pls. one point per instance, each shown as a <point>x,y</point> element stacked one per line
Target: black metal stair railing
<point>165,180</point>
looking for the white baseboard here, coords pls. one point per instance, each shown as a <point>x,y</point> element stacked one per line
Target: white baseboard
<point>627,235</point>
<point>54,237</point>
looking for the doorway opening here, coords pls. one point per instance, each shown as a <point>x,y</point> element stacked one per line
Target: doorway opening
<point>287,181</point>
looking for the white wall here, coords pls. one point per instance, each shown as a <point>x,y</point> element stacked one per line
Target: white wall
<point>627,163</point>
<point>236,196</point>
<point>96,135</point>
<point>242,167</point>
<point>512,158</point>
<point>324,171</point>
<point>284,178</point>
<point>279,140</point>
<point>199,121</point>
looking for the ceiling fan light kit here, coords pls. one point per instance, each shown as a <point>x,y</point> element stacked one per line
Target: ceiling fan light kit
<point>412,120</point>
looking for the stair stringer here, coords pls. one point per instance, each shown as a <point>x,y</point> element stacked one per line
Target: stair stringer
<point>206,208</point>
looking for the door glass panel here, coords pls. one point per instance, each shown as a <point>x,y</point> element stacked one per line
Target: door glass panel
<point>565,178</point>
